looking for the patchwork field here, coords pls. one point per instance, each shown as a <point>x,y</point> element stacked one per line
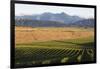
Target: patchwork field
<point>36,46</point>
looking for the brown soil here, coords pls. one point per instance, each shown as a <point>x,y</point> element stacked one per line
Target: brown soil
<point>29,35</point>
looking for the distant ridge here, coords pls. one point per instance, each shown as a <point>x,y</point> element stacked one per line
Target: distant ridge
<point>53,20</point>
<point>47,16</point>
<point>84,23</point>
<point>36,23</point>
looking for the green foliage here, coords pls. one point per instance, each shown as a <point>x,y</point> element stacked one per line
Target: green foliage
<point>51,52</point>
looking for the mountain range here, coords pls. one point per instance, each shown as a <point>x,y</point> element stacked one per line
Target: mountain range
<point>53,20</point>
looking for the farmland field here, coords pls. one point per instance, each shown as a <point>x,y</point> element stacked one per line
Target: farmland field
<point>36,46</point>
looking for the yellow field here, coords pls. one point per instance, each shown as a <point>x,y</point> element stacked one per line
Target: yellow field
<point>29,35</point>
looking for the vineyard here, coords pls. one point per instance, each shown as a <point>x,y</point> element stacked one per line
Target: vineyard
<point>55,51</point>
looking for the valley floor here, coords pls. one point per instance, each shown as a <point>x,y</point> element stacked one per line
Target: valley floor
<point>41,46</point>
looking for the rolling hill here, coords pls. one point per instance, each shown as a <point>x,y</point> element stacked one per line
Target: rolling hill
<point>53,20</point>
<point>83,23</point>
<point>36,23</point>
<point>47,16</point>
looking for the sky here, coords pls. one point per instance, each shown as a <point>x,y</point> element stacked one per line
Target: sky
<point>26,9</point>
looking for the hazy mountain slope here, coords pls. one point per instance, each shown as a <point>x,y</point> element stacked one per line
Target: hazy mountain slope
<point>36,23</point>
<point>53,20</point>
<point>83,23</point>
<point>58,17</point>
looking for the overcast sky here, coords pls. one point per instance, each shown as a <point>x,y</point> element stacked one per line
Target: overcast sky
<point>26,9</point>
